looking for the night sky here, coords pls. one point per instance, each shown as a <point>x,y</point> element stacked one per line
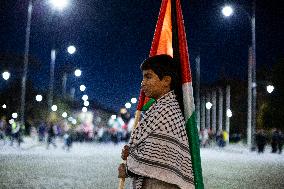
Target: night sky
<point>113,37</point>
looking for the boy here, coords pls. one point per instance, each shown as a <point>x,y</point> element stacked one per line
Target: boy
<point>158,153</point>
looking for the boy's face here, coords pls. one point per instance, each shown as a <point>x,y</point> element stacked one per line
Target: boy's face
<point>152,86</point>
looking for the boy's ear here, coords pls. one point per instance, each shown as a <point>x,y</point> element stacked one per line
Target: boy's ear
<point>167,80</point>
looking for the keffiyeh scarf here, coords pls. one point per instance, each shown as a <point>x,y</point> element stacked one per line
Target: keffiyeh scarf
<point>159,146</point>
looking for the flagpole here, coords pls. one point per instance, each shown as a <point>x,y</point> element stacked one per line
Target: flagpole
<point>121,184</point>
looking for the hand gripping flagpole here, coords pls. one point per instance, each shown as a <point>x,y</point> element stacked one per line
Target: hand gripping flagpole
<point>141,101</point>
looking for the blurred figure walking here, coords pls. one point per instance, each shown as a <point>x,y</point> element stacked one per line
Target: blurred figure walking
<point>260,139</point>
<point>41,132</point>
<point>3,125</point>
<point>280,141</point>
<point>16,133</point>
<point>274,140</point>
<point>51,135</point>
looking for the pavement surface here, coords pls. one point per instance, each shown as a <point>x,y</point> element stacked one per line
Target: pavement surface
<point>93,165</point>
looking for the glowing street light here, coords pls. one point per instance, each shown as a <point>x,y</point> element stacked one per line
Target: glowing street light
<point>11,121</point>
<point>71,49</point>
<point>84,109</point>
<point>74,121</point>
<point>82,88</point>
<point>14,115</point>
<point>38,98</point>
<point>54,108</point>
<point>4,106</point>
<point>208,105</point>
<point>78,72</point>
<point>133,100</point>
<point>227,11</point>
<point>270,88</point>
<point>86,103</point>
<point>64,114</point>
<point>85,97</point>
<point>229,113</point>
<point>127,105</point>
<point>59,4</point>
<point>70,119</point>
<point>6,75</point>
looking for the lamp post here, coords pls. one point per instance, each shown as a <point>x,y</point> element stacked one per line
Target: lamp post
<point>228,111</point>
<point>26,61</point>
<point>252,93</point>
<point>57,4</point>
<point>71,50</point>
<point>197,89</point>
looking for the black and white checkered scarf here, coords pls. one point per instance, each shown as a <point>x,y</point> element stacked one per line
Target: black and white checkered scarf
<point>159,145</point>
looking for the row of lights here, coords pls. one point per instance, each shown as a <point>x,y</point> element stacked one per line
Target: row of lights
<point>209,105</point>
<point>127,106</point>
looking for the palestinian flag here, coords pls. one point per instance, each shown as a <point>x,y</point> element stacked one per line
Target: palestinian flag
<point>170,38</point>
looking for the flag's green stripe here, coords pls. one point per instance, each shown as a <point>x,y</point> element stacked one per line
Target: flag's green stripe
<point>192,133</point>
<point>148,104</point>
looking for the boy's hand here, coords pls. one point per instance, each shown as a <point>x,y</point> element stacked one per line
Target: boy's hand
<point>125,152</point>
<point>122,171</point>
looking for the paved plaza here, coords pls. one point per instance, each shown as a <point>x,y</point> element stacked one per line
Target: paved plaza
<point>92,165</point>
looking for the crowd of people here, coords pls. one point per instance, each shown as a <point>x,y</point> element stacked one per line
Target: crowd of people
<point>207,137</point>
<point>276,140</point>
<point>47,132</point>
<point>262,138</point>
<point>119,130</point>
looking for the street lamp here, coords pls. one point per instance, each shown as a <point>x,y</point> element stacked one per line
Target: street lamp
<point>227,11</point>
<point>84,109</point>
<point>70,119</point>
<point>127,105</point>
<point>6,75</point>
<point>38,98</point>
<point>208,105</point>
<point>14,115</point>
<point>133,100</point>
<point>229,113</point>
<point>78,72</point>
<point>54,108</point>
<point>85,97</point>
<point>59,4</point>
<point>4,106</point>
<point>270,88</point>
<point>64,114</point>
<point>86,103</point>
<point>71,49</point>
<point>251,113</point>
<point>82,88</point>
<point>11,121</point>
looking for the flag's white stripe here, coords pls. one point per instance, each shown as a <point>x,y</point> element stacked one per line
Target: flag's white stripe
<point>188,100</point>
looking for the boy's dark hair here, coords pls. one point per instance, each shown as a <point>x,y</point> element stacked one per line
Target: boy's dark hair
<point>162,65</point>
<point>165,65</point>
